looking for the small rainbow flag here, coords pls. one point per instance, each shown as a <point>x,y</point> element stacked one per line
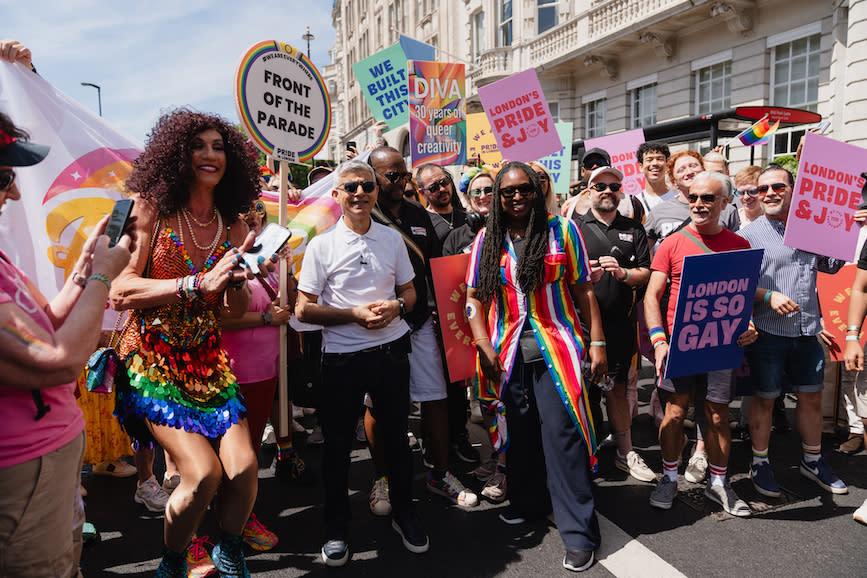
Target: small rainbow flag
<point>760,133</point>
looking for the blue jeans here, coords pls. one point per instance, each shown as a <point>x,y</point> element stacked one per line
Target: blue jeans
<point>801,359</point>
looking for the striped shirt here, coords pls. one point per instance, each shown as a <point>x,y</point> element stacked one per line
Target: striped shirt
<point>791,272</point>
<point>551,314</point>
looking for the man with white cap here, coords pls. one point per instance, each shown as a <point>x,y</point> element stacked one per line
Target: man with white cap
<point>620,263</point>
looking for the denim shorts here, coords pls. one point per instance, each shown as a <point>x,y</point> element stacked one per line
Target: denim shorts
<point>715,386</point>
<point>801,359</point>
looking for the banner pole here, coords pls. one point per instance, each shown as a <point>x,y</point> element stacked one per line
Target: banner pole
<point>283,377</point>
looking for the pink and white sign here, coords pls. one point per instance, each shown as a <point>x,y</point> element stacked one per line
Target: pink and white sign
<point>520,117</point>
<point>826,196</point>
<point>622,148</point>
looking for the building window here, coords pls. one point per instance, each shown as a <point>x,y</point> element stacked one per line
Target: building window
<point>349,19</point>
<point>436,44</point>
<point>713,86</point>
<point>554,107</point>
<point>644,106</point>
<point>594,118</point>
<point>378,31</point>
<point>478,34</point>
<point>795,84</point>
<point>505,28</point>
<point>363,48</point>
<point>547,14</point>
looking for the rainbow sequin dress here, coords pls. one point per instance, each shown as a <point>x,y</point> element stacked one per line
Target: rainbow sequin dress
<point>179,374</point>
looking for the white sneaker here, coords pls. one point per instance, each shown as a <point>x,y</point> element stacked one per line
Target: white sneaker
<point>379,502</point>
<point>269,438</point>
<point>696,469</point>
<point>452,488</point>
<point>151,495</point>
<point>117,468</point>
<point>860,515</point>
<point>633,465</point>
<point>495,487</point>
<point>171,482</point>
<point>476,411</point>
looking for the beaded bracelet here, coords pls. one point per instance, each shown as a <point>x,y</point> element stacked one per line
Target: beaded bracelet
<point>197,280</point>
<point>101,278</point>
<point>179,289</point>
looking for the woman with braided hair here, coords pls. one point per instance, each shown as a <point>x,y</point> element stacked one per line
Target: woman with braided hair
<point>527,282</point>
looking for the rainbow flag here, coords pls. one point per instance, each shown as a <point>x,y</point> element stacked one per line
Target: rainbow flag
<point>760,133</point>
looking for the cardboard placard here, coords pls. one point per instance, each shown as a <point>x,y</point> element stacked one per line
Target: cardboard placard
<point>449,274</point>
<point>437,113</point>
<point>481,142</point>
<point>622,147</point>
<point>559,164</point>
<point>834,293</point>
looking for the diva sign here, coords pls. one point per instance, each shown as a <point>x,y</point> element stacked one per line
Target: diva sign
<point>827,194</point>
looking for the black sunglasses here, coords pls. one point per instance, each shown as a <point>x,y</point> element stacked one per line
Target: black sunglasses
<point>778,188</point>
<point>526,190</point>
<point>704,198</point>
<point>481,192</point>
<point>436,185</point>
<point>542,176</point>
<point>395,176</point>
<point>351,187</point>
<point>594,162</point>
<point>7,177</point>
<point>613,187</point>
<point>747,192</point>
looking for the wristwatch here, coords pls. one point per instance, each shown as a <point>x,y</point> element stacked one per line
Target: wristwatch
<point>267,318</point>
<point>402,304</point>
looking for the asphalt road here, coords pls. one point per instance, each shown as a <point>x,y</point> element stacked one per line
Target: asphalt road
<point>807,532</point>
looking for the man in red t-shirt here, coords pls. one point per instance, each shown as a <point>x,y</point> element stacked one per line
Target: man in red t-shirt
<point>707,197</point>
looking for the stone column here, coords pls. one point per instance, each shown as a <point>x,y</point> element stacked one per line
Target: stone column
<point>855,94</point>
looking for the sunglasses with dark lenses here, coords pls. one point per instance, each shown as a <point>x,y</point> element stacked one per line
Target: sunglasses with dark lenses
<point>7,177</point>
<point>704,198</point>
<point>747,192</point>
<point>594,162</point>
<point>395,176</point>
<point>778,188</point>
<point>481,192</point>
<point>613,187</point>
<point>436,185</point>
<point>542,176</point>
<point>526,190</point>
<point>366,186</point>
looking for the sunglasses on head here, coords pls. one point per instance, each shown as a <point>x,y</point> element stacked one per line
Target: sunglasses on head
<point>613,187</point>
<point>594,162</point>
<point>526,190</point>
<point>481,192</point>
<point>436,185</point>
<point>778,188</point>
<point>7,177</point>
<point>396,176</point>
<point>747,192</point>
<point>704,198</point>
<point>351,187</point>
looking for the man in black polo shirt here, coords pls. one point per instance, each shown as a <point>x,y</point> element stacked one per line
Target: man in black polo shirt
<point>620,262</point>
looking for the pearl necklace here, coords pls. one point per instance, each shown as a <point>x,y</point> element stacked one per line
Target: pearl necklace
<point>209,248</point>
<point>190,215</point>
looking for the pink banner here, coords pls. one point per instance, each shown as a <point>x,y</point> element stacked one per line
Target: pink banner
<point>827,193</point>
<point>519,115</point>
<point>622,148</point>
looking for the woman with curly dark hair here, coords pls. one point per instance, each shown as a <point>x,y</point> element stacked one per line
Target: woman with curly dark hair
<point>528,271</point>
<point>192,181</point>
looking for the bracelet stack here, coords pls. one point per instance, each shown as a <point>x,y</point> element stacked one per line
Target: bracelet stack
<point>188,287</point>
<point>657,336</point>
<point>853,332</point>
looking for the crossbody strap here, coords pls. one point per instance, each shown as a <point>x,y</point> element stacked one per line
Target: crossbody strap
<point>691,236</point>
<point>380,217</point>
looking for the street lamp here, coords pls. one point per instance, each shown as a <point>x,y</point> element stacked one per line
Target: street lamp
<point>98,94</point>
<point>308,36</point>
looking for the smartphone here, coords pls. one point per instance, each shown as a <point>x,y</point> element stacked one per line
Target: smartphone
<point>117,222</point>
<point>270,239</point>
<point>350,146</point>
<point>823,127</point>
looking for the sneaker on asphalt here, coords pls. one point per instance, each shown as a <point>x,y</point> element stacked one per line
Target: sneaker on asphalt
<point>257,536</point>
<point>486,470</point>
<point>117,468</point>
<point>820,472</point>
<point>411,532</point>
<point>664,493</point>
<point>452,488</point>
<point>495,487</point>
<point>269,438</point>
<point>199,563</point>
<point>228,557</point>
<point>465,451</point>
<point>316,438</point>
<point>852,445</point>
<point>860,515</point>
<point>335,553</point>
<point>171,482</point>
<point>696,468</point>
<point>763,479</point>
<point>151,495</point>
<point>379,502</point>
<point>633,465</point>
<point>726,497</point>
<point>577,560</point>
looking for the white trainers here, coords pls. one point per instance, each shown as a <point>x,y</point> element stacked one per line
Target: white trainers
<point>117,468</point>
<point>696,469</point>
<point>633,465</point>
<point>495,487</point>
<point>379,502</point>
<point>860,515</point>
<point>151,495</point>
<point>269,437</point>
<point>171,482</point>
<point>452,488</point>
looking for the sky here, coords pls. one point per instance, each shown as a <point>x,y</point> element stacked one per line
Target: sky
<point>156,55</point>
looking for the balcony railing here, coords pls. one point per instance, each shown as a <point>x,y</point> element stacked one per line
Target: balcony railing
<point>493,63</point>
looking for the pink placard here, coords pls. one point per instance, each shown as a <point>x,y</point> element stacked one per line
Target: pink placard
<point>827,193</point>
<point>622,148</point>
<point>519,115</point>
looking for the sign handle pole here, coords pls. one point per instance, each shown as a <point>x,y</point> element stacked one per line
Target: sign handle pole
<point>283,377</point>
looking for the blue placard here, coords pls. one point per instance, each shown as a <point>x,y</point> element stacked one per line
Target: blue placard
<point>714,304</point>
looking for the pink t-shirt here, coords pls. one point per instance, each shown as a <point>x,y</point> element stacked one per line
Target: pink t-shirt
<point>253,352</point>
<point>22,437</point>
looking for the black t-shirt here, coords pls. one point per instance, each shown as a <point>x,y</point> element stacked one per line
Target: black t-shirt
<point>445,224</point>
<point>862,259</point>
<point>414,220</point>
<point>459,241</point>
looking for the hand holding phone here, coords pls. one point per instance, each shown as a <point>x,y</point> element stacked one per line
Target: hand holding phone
<point>118,220</point>
<point>269,241</point>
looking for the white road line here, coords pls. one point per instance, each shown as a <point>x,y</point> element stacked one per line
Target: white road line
<point>625,557</point>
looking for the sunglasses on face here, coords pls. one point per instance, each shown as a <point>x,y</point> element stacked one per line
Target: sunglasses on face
<point>257,208</point>
<point>613,187</point>
<point>396,176</point>
<point>7,177</point>
<point>436,185</point>
<point>351,187</point>
<point>747,192</point>
<point>704,198</point>
<point>542,176</point>
<point>778,188</point>
<point>526,190</point>
<point>475,193</point>
<point>594,162</point>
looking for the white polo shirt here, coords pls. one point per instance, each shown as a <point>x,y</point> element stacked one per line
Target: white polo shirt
<point>345,270</point>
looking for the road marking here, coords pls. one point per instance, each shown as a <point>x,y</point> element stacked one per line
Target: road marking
<point>625,557</point>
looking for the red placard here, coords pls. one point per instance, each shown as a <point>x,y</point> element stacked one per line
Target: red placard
<point>449,274</point>
<point>779,113</point>
<point>834,293</point>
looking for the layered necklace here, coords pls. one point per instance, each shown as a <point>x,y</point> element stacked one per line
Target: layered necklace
<point>196,221</point>
<point>213,245</point>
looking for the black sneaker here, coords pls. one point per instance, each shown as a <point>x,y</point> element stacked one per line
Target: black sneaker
<point>465,451</point>
<point>577,560</point>
<point>335,552</point>
<point>411,532</point>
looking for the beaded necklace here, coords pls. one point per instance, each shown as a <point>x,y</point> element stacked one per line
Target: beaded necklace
<point>179,243</point>
<point>196,221</point>
<point>209,248</point>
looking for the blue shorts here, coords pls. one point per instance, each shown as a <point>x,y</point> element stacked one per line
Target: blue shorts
<point>801,359</point>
